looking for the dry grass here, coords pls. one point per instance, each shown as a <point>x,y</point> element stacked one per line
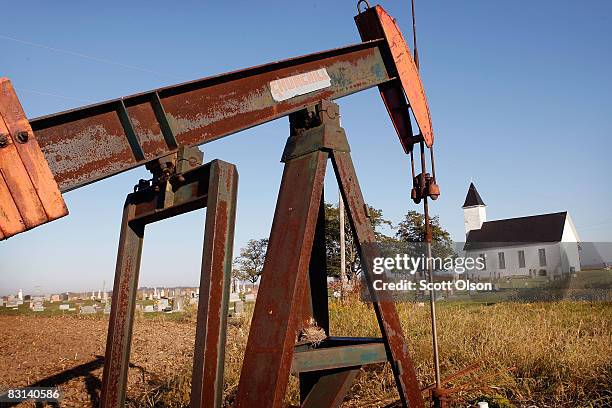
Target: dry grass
<point>554,354</point>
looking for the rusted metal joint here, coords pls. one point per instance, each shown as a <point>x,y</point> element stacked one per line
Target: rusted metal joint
<point>22,136</point>
<point>424,185</point>
<point>315,128</point>
<point>3,140</point>
<point>169,169</point>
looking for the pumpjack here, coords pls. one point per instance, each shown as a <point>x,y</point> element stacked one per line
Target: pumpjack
<point>42,158</point>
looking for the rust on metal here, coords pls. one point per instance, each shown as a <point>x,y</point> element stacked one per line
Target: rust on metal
<point>375,23</point>
<point>330,388</point>
<point>283,300</point>
<point>88,144</point>
<point>118,341</point>
<point>386,313</point>
<point>209,353</point>
<point>29,195</point>
<point>214,186</point>
<point>269,350</point>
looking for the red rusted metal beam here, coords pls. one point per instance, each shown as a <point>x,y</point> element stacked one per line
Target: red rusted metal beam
<point>214,186</point>
<point>269,352</point>
<point>209,351</point>
<point>88,144</point>
<point>386,313</point>
<point>123,303</point>
<point>375,23</point>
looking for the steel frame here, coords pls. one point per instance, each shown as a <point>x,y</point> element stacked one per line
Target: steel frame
<point>292,288</point>
<point>213,186</point>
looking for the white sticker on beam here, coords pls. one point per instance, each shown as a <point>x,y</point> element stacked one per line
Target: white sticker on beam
<point>286,88</point>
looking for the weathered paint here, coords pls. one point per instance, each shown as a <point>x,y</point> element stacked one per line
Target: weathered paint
<point>386,313</point>
<point>26,176</point>
<point>338,357</point>
<point>209,354</point>
<point>269,351</point>
<point>88,144</point>
<point>375,23</point>
<point>213,186</point>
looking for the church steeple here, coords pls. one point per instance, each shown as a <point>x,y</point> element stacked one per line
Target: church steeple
<point>472,198</point>
<point>474,210</point>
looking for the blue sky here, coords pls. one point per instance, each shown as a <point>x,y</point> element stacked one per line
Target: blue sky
<point>519,94</point>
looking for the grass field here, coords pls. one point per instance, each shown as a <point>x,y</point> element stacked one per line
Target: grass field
<point>554,354</point>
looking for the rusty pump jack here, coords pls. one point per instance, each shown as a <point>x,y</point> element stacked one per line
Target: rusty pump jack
<point>44,157</point>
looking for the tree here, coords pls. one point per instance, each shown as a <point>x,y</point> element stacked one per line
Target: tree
<point>249,265</point>
<point>332,240</point>
<point>412,230</point>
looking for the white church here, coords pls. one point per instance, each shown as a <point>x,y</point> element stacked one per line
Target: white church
<point>535,246</point>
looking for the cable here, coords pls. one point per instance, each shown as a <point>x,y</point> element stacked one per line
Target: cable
<point>55,95</point>
<point>85,56</point>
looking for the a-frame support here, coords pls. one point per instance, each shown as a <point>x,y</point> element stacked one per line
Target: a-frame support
<point>214,186</point>
<point>292,282</point>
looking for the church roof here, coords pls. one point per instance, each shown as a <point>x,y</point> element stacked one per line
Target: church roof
<point>516,231</point>
<point>472,198</point>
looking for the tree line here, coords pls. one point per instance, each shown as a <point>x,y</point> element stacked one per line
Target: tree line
<point>408,237</point>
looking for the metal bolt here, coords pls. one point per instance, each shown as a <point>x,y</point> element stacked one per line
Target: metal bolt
<point>22,137</point>
<point>3,140</point>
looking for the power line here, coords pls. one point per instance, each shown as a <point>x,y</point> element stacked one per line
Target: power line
<point>86,56</point>
<point>54,95</point>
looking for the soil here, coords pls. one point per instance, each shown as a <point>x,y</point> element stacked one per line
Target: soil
<point>68,352</point>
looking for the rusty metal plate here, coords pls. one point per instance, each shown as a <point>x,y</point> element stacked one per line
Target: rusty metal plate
<point>375,23</point>
<point>29,194</point>
<point>86,149</point>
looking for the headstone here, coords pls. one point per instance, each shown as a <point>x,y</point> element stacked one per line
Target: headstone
<point>149,309</point>
<point>249,298</point>
<point>107,308</point>
<point>162,304</point>
<point>64,307</point>
<point>1,302</point>
<point>37,303</point>
<point>238,308</point>
<point>88,310</point>
<point>179,301</point>
<point>234,297</point>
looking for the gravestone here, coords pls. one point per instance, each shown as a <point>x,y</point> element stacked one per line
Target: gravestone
<point>238,308</point>
<point>64,307</point>
<point>149,309</point>
<point>37,304</point>
<point>234,297</point>
<point>249,298</point>
<point>88,310</point>
<point>107,308</point>
<point>177,306</point>
<point>162,304</point>
<point>1,302</point>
